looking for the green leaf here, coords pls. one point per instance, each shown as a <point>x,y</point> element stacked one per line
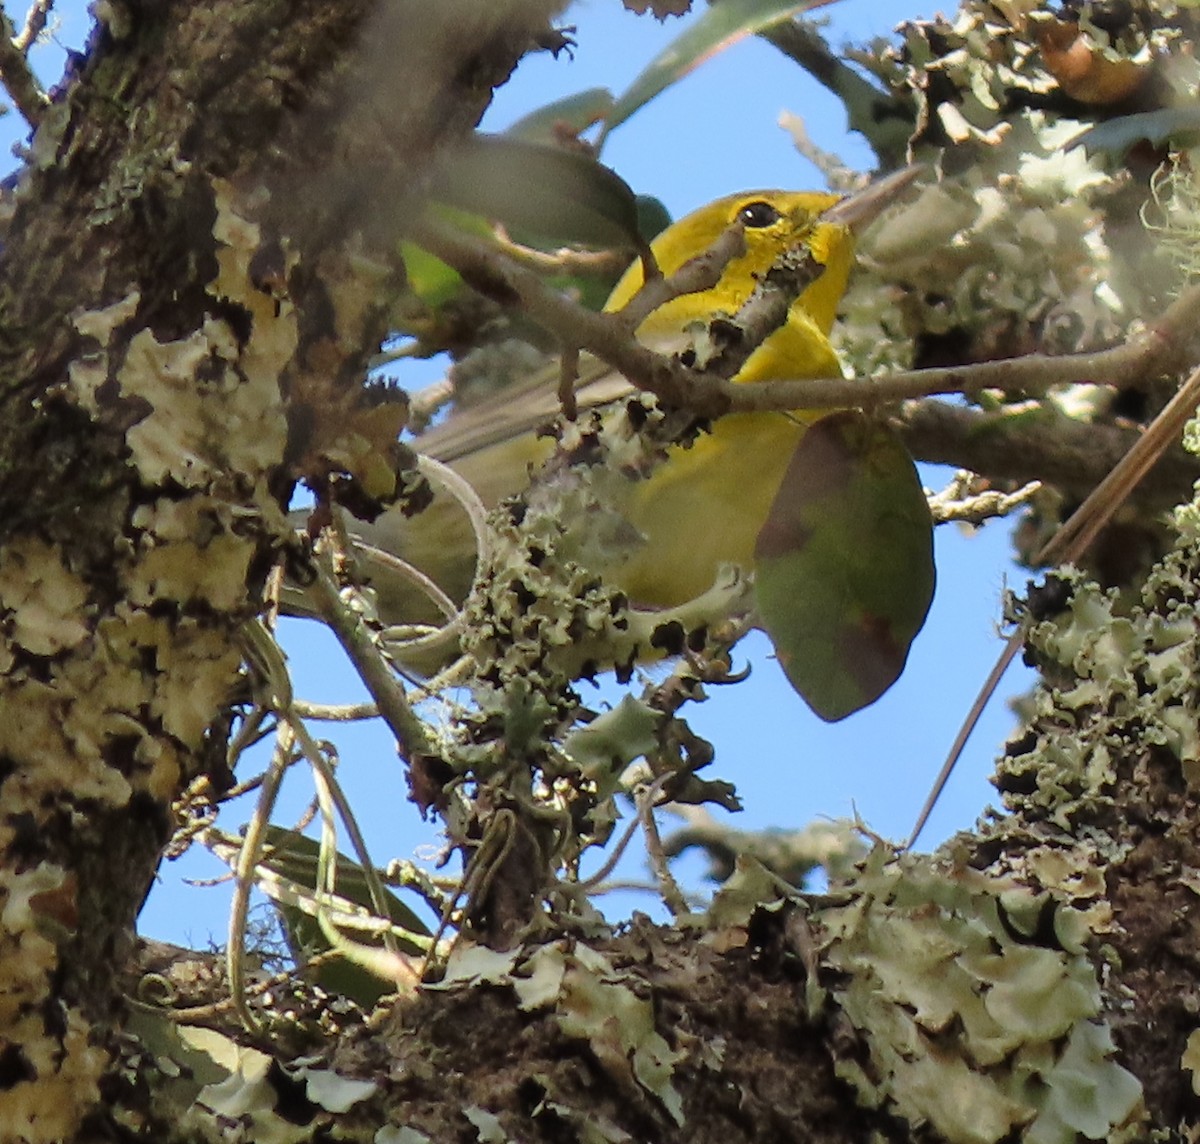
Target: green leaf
<point>721,26</point>
<point>429,278</point>
<point>432,285</point>
<point>653,217</point>
<point>844,569</point>
<point>547,196</point>
<point>292,857</point>
<point>569,115</point>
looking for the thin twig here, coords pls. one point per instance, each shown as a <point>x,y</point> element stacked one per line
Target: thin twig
<point>964,733</point>
<point>427,401</point>
<point>764,311</point>
<point>566,260</point>
<point>494,848</point>
<point>1009,445</point>
<point>1073,538</point>
<point>400,641</point>
<point>331,796</point>
<point>248,855</point>
<point>1142,359</point>
<point>593,881</point>
<point>273,879</point>
<point>608,336</point>
<point>248,735</point>
<point>568,374</point>
<point>672,896</point>
<point>1069,542</point>
<point>271,677</point>
<point>335,712</point>
<point>402,568</point>
<point>881,117</point>
<point>958,504</point>
<point>208,1014</point>
<point>373,669</point>
<point>700,272</point>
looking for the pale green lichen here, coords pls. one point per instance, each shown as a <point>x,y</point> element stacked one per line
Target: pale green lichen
<point>1173,215</point>
<point>1191,1059</point>
<point>43,596</point>
<point>971,1029</point>
<point>250,1097</point>
<point>540,610</point>
<point>1024,232</point>
<point>540,618</point>
<point>109,700</point>
<point>1014,237</point>
<point>1116,671</point>
<point>591,1001</point>
<point>393,1134</point>
<point>1116,706</point>
<point>596,1004</point>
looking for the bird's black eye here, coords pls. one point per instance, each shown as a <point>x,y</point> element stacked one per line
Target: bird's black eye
<point>758,213</point>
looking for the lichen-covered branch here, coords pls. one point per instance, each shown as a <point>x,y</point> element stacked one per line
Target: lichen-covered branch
<point>188,294</point>
<point>1146,356</point>
<point>1042,444</point>
<point>180,264</point>
<point>17,76</point>
<point>35,21</point>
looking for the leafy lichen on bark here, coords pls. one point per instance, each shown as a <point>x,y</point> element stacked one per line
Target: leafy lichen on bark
<point>1102,786</point>
<point>143,441</point>
<point>116,695</point>
<point>920,996</point>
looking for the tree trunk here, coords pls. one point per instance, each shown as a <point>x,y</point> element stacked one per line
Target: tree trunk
<point>197,238</point>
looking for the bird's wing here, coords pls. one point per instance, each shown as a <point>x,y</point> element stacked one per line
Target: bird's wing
<point>527,405</point>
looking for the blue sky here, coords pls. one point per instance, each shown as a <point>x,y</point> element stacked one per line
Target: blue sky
<point>713,133</point>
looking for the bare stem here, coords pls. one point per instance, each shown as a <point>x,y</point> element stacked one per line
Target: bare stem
<point>372,667</point>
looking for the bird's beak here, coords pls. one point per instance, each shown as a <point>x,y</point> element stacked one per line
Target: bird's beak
<point>859,210</point>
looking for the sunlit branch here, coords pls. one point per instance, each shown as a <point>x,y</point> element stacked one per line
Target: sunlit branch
<point>372,667</point>
<point>35,21</point>
<point>17,76</point>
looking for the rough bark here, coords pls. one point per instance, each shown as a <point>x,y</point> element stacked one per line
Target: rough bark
<point>144,369</point>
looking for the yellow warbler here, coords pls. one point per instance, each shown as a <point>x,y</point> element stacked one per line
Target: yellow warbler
<point>704,505</point>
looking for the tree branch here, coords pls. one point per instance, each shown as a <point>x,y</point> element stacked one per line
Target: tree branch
<point>881,117</point>
<point>17,75</point>
<point>1163,347</point>
<point>1043,445</point>
<point>35,21</point>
